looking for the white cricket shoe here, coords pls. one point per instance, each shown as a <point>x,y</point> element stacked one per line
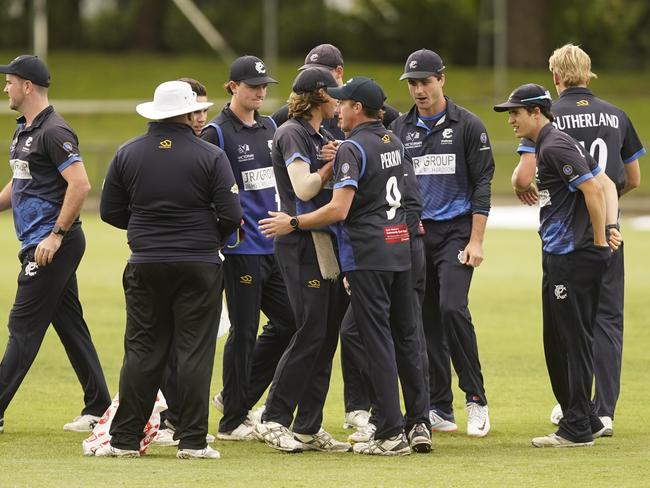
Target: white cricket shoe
<point>365,434</point>
<point>322,441</point>
<point>244,432</point>
<point>205,453</point>
<point>393,446</point>
<point>82,423</point>
<point>356,419</point>
<point>554,440</point>
<point>609,426</point>
<point>255,416</point>
<point>478,420</point>
<point>440,424</point>
<point>164,438</point>
<point>277,436</point>
<point>109,451</point>
<point>556,414</point>
<point>217,402</point>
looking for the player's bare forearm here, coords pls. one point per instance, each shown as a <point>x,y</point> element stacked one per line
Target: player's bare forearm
<point>611,197</point>
<point>472,255</point>
<point>632,176</point>
<point>5,197</point>
<point>75,195</point>
<point>596,206</point>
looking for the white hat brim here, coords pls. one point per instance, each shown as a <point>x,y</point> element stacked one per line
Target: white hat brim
<point>148,111</point>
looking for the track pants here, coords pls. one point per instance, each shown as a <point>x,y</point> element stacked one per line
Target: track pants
<point>570,290</point>
<point>168,305</point>
<point>50,295</point>
<point>447,321</point>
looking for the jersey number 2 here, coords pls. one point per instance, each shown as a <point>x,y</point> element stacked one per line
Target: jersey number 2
<point>393,197</point>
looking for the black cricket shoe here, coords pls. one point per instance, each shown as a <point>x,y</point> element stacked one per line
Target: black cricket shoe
<point>420,438</point>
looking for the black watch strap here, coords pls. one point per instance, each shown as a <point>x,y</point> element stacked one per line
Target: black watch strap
<point>57,229</point>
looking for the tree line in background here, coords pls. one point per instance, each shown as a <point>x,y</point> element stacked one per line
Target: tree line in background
<point>614,32</point>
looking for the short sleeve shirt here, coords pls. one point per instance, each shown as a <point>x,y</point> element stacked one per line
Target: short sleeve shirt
<point>38,155</point>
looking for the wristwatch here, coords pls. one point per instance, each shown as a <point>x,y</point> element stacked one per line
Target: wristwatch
<point>58,230</point>
<point>612,226</point>
<point>295,225</point>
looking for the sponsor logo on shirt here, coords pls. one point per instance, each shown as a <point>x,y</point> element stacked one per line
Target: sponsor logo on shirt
<point>385,139</point>
<point>258,179</point>
<point>68,146</point>
<point>313,284</point>
<point>394,234</point>
<point>234,189</point>
<point>13,145</point>
<point>165,144</point>
<point>560,292</point>
<point>20,169</point>
<point>567,169</point>
<point>582,103</point>
<point>412,136</point>
<point>244,153</point>
<point>246,279</point>
<point>435,164</point>
<point>544,198</point>
<point>28,142</point>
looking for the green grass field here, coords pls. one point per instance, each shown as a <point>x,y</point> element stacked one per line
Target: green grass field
<point>134,76</point>
<point>35,452</point>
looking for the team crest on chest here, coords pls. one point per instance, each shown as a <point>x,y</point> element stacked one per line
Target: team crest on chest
<point>447,136</point>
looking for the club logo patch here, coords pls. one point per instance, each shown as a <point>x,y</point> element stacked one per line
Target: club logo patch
<point>447,133</point>
<point>31,268</point>
<point>483,138</point>
<point>313,284</point>
<point>260,68</point>
<point>567,169</point>
<point>560,292</point>
<point>345,167</point>
<point>165,144</point>
<point>246,280</point>
<point>68,146</point>
<point>413,64</point>
<point>385,139</point>
<point>582,103</point>
<point>234,189</point>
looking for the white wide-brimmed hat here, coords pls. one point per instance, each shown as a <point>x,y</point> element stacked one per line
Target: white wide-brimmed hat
<point>170,99</point>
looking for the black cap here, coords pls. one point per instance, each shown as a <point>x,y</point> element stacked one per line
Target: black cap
<point>528,95</point>
<point>311,79</point>
<point>29,68</point>
<point>422,64</point>
<point>362,90</point>
<point>250,70</point>
<point>325,56</point>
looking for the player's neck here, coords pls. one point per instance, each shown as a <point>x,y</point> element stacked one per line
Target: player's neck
<point>32,108</point>
<point>245,115</point>
<point>316,119</point>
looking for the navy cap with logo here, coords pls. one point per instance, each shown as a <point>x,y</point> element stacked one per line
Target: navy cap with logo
<point>325,56</point>
<point>422,64</point>
<point>528,95</point>
<point>250,70</point>
<point>28,67</point>
<point>312,79</point>
<point>360,89</point>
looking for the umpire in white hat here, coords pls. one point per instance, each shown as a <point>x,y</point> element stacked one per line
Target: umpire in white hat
<point>177,197</point>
